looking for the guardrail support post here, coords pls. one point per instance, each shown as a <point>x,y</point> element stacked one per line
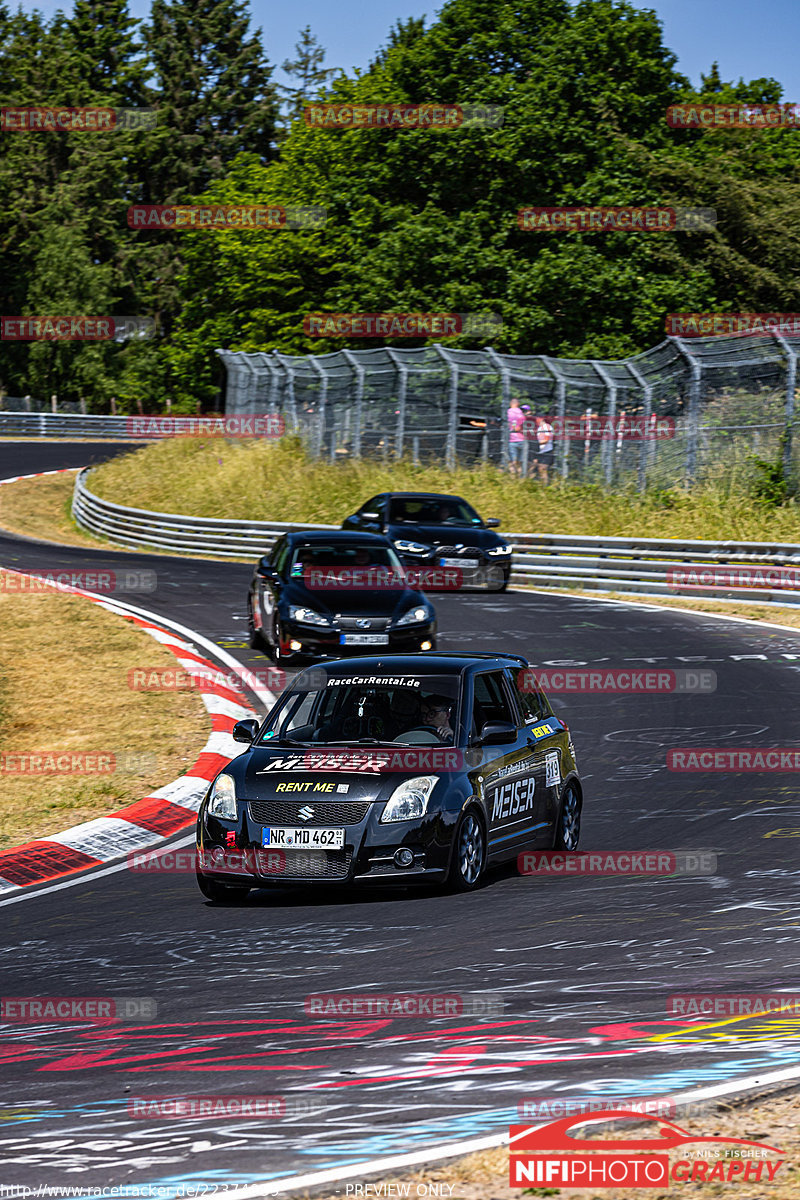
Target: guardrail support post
<point>647,391</point>
<point>359,372</point>
<point>452,424</point>
<point>402,389</point>
<point>694,407</point>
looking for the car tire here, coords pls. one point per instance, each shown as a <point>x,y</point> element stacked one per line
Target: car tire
<point>568,826</point>
<point>254,636</point>
<point>503,585</point>
<point>220,893</point>
<point>277,653</point>
<point>469,853</point>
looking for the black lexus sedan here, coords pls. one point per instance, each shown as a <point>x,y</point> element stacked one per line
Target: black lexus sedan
<point>430,529</point>
<point>319,593</point>
<point>421,769</point>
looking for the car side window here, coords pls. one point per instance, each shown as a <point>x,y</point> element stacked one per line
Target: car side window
<point>373,505</point>
<point>531,699</point>
<point>490,702</point>
<point>279,557</point>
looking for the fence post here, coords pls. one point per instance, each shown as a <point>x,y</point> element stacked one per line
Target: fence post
<point>694,407</point>
<point>319,432</point>
<point>791,384</point>
<point>452,424</point>
<point>641,482</point>
<point>402,373</point>
<point>505,376</point>
<point>609,457</point>
<point>356,366</point>
<point>562,452</point>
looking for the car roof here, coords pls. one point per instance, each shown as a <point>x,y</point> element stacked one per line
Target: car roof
<point>423,496</point>
<point>339,536</point>
<point>415,664</point>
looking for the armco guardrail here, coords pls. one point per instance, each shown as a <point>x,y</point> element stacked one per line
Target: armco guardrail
<point>640,565</point>
<point>25,424</point>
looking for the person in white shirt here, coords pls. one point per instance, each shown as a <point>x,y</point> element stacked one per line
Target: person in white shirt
<point>544,436</point>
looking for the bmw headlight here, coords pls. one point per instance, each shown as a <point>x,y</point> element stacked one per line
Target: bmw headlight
<point>409,799</point>
<point>415,616</point>
<point>306,616</point>
<point>412,547</point>
<point>499,551</point>
<point>223,798</point>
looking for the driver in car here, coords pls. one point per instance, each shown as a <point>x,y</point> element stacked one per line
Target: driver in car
<point>436,711</point>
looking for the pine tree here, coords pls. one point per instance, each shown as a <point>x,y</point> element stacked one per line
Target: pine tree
<point>308,70</point>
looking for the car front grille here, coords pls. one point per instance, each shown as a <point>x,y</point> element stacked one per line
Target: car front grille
<point>363,624</point>
<point>326,812</point>
<point>469,552</point>
<point>305,864</point>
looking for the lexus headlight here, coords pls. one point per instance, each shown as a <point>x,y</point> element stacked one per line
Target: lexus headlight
<point>223,798</point>
<point>306,616</point>
<point>499,550</point>
<point>410,799</point>
<point>412,547</point>
<point>415,616</point>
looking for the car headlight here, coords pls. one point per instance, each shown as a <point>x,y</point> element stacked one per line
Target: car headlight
<point>409,799</point>
<point>306,616</point>
<point>223,798</point>
<point>499,550</point>
<point>412,547</point>
<point>415,616</point>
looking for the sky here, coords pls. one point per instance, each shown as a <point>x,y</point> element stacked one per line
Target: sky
<point>748,39</point>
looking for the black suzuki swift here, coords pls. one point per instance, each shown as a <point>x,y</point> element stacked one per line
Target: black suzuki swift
<point>416,769</point>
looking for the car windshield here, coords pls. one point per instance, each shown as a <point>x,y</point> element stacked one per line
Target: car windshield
<point>433,510</point>
<point>353,710</point>
<point>321,565</point>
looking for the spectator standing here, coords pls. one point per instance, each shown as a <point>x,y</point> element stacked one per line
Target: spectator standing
<point>544,436</point>
<point>516,422</point>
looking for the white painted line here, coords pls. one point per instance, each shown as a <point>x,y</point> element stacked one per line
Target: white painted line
<point>105,837</point>
<point>473,1145</point>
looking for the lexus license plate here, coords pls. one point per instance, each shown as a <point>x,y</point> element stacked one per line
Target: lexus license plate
<point>364,639</point>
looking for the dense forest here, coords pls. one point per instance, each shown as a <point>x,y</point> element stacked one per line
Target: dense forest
<point>417,219</point>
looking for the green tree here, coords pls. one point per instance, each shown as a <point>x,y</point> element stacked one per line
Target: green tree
<point>307,68</point>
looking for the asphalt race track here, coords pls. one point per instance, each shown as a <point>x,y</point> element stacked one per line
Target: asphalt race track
<point>584,966</point>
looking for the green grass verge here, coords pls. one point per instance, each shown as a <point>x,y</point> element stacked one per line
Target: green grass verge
<point>256,480</point>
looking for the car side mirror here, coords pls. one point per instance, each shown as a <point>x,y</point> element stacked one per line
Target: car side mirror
<point>495,733</point>
<point>371,516</point>
<point>493,523</point>
<point>266,568</point>
<point>245,731</point>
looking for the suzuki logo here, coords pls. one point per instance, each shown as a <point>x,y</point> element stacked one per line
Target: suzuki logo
<point>306,812</point>
<point>363,623</point>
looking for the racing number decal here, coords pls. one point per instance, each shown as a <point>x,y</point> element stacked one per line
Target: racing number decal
<point>552,771</point>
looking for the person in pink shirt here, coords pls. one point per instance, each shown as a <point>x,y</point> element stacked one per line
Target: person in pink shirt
<point>516,421</point>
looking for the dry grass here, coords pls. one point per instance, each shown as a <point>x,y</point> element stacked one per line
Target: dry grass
<point>63,687</point>
<point>259,480</point>
<point>40,508</point>
<point>484,1176</point>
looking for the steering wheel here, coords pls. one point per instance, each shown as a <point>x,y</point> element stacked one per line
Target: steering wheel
<point>424,729</point>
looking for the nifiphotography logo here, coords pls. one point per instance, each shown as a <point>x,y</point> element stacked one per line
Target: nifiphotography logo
<point>622,1163</point>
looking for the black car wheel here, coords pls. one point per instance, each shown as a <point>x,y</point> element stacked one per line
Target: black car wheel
<point>502,584</point>
<point>277,637</point>
<point>469,853</point>
<point>568,830</point>
<point>220,893</point>
<point>254,635</point>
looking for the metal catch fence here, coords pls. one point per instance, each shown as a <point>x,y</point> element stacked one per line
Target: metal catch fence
<point>686,410</point>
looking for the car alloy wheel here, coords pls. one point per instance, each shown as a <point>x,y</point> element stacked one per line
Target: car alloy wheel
<point>469,853</point>
<point>569,820</point>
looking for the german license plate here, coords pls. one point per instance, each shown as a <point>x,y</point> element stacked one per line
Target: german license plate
<point>364,639</point>
<point>469,563</point>
<point>294,837</point>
